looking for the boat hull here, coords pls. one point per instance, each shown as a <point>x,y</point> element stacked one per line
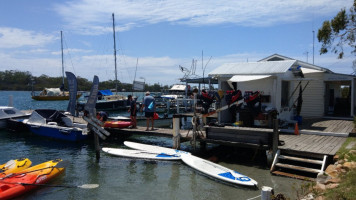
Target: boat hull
<point>106,105</point>
<point>52,98</point>
<point>56,132</point>
<point>117,124</point>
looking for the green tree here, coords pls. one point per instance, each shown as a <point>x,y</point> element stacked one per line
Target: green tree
<point>338,32</point>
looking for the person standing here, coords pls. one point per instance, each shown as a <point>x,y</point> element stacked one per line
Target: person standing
<point>132,111</point>
<point>149,108</point>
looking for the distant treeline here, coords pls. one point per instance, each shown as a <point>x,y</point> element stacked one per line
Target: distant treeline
<point>11,80</point>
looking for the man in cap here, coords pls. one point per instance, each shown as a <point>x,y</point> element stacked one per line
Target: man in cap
<point>149,108</point>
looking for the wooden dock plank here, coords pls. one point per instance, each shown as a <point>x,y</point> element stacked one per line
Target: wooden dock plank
<point>319,144</point>
<point>322,148</point>
<point>294,141</point>
<point>316,142</point>
<point>338,146</point>
<point>299,142</point>
<point>324,145</point>
<point>308,141</point>
<point>329,142</point>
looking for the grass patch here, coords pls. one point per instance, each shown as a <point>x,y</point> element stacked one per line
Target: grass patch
<point>343,150</point>
<point>346,189</point>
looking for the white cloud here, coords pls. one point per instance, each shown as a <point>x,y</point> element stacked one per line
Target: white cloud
<point>14,38</point>
<point>95,15</point>
<point>163,70</point>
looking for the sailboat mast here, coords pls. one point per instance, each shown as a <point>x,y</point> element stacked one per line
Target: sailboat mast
<point>113,28</point>
<point>62,59</point>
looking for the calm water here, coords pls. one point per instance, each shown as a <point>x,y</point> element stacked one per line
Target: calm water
<point>123,178</point>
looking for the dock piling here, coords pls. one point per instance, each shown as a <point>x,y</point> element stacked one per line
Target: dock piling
<point>176,132</point>
<point>275,137</point>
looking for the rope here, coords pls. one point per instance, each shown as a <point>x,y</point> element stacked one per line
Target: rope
<point>254,197</point>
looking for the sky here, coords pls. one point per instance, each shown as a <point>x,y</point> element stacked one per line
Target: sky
<point>155,37</point>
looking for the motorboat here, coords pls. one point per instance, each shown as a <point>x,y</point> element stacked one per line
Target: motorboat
<point>55,124</point>
<point>8,112</point>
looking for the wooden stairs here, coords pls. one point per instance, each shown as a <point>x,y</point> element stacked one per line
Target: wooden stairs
<point>297,167</point>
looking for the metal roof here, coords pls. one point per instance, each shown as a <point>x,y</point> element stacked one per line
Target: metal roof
<point>253,68</point>
<point>305,64</point>
<point>200,80</point>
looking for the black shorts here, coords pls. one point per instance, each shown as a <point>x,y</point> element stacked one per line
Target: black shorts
<point>149,114</point>
<point>133,113</point>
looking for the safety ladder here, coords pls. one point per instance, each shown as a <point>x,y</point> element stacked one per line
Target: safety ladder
<point>287,165</point>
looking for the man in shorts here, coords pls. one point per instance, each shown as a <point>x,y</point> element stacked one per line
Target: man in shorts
<point>149,108</point>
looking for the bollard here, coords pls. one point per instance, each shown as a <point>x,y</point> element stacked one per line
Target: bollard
<point>266,193</point>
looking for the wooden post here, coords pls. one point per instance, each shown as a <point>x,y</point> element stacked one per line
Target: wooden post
<point>97,146</point>
<point>176,132</point>
<point>275,137</point>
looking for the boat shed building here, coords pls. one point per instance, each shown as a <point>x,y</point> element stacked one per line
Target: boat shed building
<point>281,80</point>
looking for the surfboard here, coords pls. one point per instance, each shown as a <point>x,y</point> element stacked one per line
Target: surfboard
<point>153,148</point>
<point>140,154</point>
<point>217,171</point>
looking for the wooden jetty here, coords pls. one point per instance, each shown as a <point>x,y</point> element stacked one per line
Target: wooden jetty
<point>308,153</point>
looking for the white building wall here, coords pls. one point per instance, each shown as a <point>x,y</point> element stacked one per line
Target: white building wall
<point>313,95</point>
<point>265,86</point>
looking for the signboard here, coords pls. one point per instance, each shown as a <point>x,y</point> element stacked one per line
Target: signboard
<point>138,86</point>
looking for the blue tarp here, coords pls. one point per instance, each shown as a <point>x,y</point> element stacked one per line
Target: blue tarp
<point>105,92</point>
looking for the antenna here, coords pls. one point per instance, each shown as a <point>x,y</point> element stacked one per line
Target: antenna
<point>113,28</point>
<point>307,53</point>
<point>134,77</point>
<point>313,45</point>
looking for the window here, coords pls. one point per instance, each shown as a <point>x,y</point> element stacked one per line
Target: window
<point>285,94</point>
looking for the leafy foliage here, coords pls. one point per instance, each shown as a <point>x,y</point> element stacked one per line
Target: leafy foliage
<point>17,80</point>
<point>341,29</point>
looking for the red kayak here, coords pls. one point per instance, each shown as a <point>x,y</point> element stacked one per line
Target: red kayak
<point>117,124</point>
<point>21,182</point>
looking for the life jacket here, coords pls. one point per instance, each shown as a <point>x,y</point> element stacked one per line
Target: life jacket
<point>232,96</point>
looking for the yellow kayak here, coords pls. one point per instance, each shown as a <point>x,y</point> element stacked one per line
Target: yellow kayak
<point>26,180</point>
<point>14,166</point>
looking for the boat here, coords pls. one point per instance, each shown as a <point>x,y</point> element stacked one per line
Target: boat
<point>153,148</point>
<point>140,154</point>
<point>29,179</point>
<point>217,171</point>
<point>8,112</point>
<point>117,124</point>
<point>54,124</point>
<point>106,101</point>
<point>176,91</point>
<point>54,94</point>
<point>161,122</point>
<point>13,166</point>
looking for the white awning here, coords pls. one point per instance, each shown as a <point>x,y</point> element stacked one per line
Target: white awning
<point>245,78</point>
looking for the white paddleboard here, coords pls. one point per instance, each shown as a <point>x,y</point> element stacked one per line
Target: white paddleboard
<point>139,154</point>
<point>217,171</point>
<point>153,148</point>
